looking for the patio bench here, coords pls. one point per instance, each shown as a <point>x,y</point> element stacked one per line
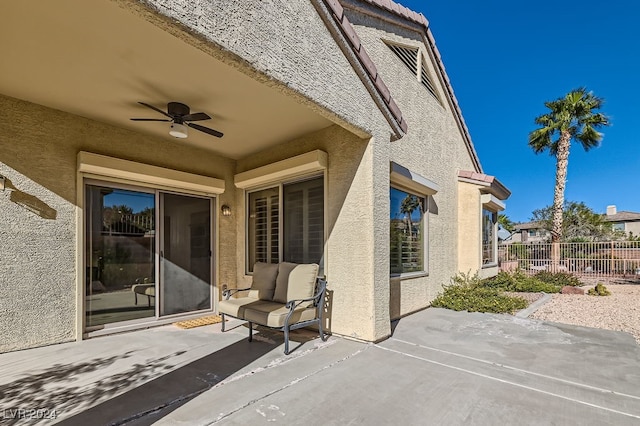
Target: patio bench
<point>283,296</point>
<point>146,289</point>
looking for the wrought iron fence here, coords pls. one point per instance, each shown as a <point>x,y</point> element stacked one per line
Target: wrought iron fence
<point>593,259</point>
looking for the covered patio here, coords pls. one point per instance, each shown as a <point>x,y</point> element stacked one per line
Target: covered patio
<point>73,77</point>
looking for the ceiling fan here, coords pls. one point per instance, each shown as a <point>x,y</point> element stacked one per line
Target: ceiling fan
<point>180,118</point>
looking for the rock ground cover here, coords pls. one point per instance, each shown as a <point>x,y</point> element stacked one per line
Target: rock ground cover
<point>619,312</point>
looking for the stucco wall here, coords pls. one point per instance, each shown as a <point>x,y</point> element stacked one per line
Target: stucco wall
<point>286,45</point>
<point>358,291</point>
<point>469,228</point>
<point>37,254</point>
<point>433,148</point>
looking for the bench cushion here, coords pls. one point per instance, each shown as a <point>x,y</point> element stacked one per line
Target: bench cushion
<point>264,280</point>
<point>273,314</point>
<point>295,281</point>
<point>236,307</point>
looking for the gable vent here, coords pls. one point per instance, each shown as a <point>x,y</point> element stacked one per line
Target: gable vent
<point>426,81</point>
<point>407,55</point>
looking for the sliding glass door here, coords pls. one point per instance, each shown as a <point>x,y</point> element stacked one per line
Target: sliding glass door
<point>120,252</point>
<point>185,254</point>
<point>147,254</point>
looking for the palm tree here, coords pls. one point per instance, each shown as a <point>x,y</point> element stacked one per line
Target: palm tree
<point>407,207</point>
<point>505,222</point>
<point>572,117</point>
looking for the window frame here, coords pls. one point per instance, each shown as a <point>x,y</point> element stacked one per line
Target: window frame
<point>424,205</point>
<point>280,186</point>
<point>492,205</point>
<point>494,238</point>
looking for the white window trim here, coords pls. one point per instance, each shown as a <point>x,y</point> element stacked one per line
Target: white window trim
<point>275,173</point>
<point>491,203</point>
<point>402,176</point>
<point>406,180</point>
<point>130,172</point>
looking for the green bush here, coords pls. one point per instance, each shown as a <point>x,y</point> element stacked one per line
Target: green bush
<point>560,279</point>
<point>519,282</point>
<point>466,293</point>
<point>599,290</point>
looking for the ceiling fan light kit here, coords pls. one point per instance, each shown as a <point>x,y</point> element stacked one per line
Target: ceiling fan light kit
<point>180,118</point>
<point>178,130</point>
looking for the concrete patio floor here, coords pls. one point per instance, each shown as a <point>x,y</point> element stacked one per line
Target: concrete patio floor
<point>439,367</point>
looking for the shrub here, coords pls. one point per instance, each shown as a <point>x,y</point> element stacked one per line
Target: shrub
<point>599,290</point>
<point>559,279</point>
<point>519,282</point>
<point>465,293</point>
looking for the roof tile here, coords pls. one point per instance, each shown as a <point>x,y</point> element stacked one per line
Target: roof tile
<point>336,8</point>
<point>351,34</point>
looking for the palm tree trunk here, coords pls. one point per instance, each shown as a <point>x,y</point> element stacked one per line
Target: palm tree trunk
<point>562,161</point>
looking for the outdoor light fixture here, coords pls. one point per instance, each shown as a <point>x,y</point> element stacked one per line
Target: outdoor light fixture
<point>178,130</point>
<point>226,210</point>
<point>2,184</point>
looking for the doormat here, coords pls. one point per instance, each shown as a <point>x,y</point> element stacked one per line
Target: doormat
<point>198,322</point>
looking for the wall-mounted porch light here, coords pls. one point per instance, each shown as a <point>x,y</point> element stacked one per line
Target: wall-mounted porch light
<point>226,210</point>
<point>2,184</point>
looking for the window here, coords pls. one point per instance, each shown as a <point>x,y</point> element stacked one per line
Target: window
<point>618,226</point>
<point>533,232</point>
<point>286,223</point>
<point>407,232</point>
<point>489,222</point>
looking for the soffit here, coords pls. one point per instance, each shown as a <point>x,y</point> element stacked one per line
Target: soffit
<point>97,60</point>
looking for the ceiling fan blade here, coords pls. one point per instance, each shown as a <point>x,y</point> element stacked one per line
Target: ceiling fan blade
<point>155,109</point>
<point>198,116</point>
<point>149,119</point>
<point>205,130</point>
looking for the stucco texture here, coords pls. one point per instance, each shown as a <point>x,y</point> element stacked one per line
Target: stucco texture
<point>38,216</point>
<point>433,148</point>
<point>356,302</point>
<point>285,44</point>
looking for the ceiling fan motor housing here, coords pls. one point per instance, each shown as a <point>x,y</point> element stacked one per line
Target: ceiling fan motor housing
<point>177,109</point>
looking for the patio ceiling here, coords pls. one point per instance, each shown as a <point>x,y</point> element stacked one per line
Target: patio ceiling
<point>97,60</point>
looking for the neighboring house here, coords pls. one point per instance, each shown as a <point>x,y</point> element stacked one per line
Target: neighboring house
<point>627,222</point>
<point>343,145</point>
<point>529,232</point>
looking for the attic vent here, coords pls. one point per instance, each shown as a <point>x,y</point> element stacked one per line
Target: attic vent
<point>409,56</point>
<point>406,55</point>
<point>426,81</point>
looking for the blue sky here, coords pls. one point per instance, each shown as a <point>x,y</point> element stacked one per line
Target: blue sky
<point>506,58</point>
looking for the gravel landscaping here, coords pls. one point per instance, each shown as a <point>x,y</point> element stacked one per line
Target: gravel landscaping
<point>620,311</point>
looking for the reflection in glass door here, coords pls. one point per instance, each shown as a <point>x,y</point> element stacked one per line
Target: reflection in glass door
<point>185,254</point>
<point>120,251</point>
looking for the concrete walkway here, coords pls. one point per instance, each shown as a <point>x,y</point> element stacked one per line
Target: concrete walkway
<point>439,367</point>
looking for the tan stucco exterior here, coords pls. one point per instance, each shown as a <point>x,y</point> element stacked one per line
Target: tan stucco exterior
<point>318,103</point>
<point>469,228</point>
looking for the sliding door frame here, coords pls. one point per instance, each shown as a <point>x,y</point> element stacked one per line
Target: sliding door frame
<point>81,222</point>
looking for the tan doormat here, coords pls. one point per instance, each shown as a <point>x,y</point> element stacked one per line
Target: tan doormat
<point>198,322</point>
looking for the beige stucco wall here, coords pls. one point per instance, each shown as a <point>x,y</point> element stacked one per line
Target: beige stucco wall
<point>470,231</point>
<point>38,155</point>
<point>358,291</point>
<point>469,228</point>
<point>433,148</point>
<point>283,44</point>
